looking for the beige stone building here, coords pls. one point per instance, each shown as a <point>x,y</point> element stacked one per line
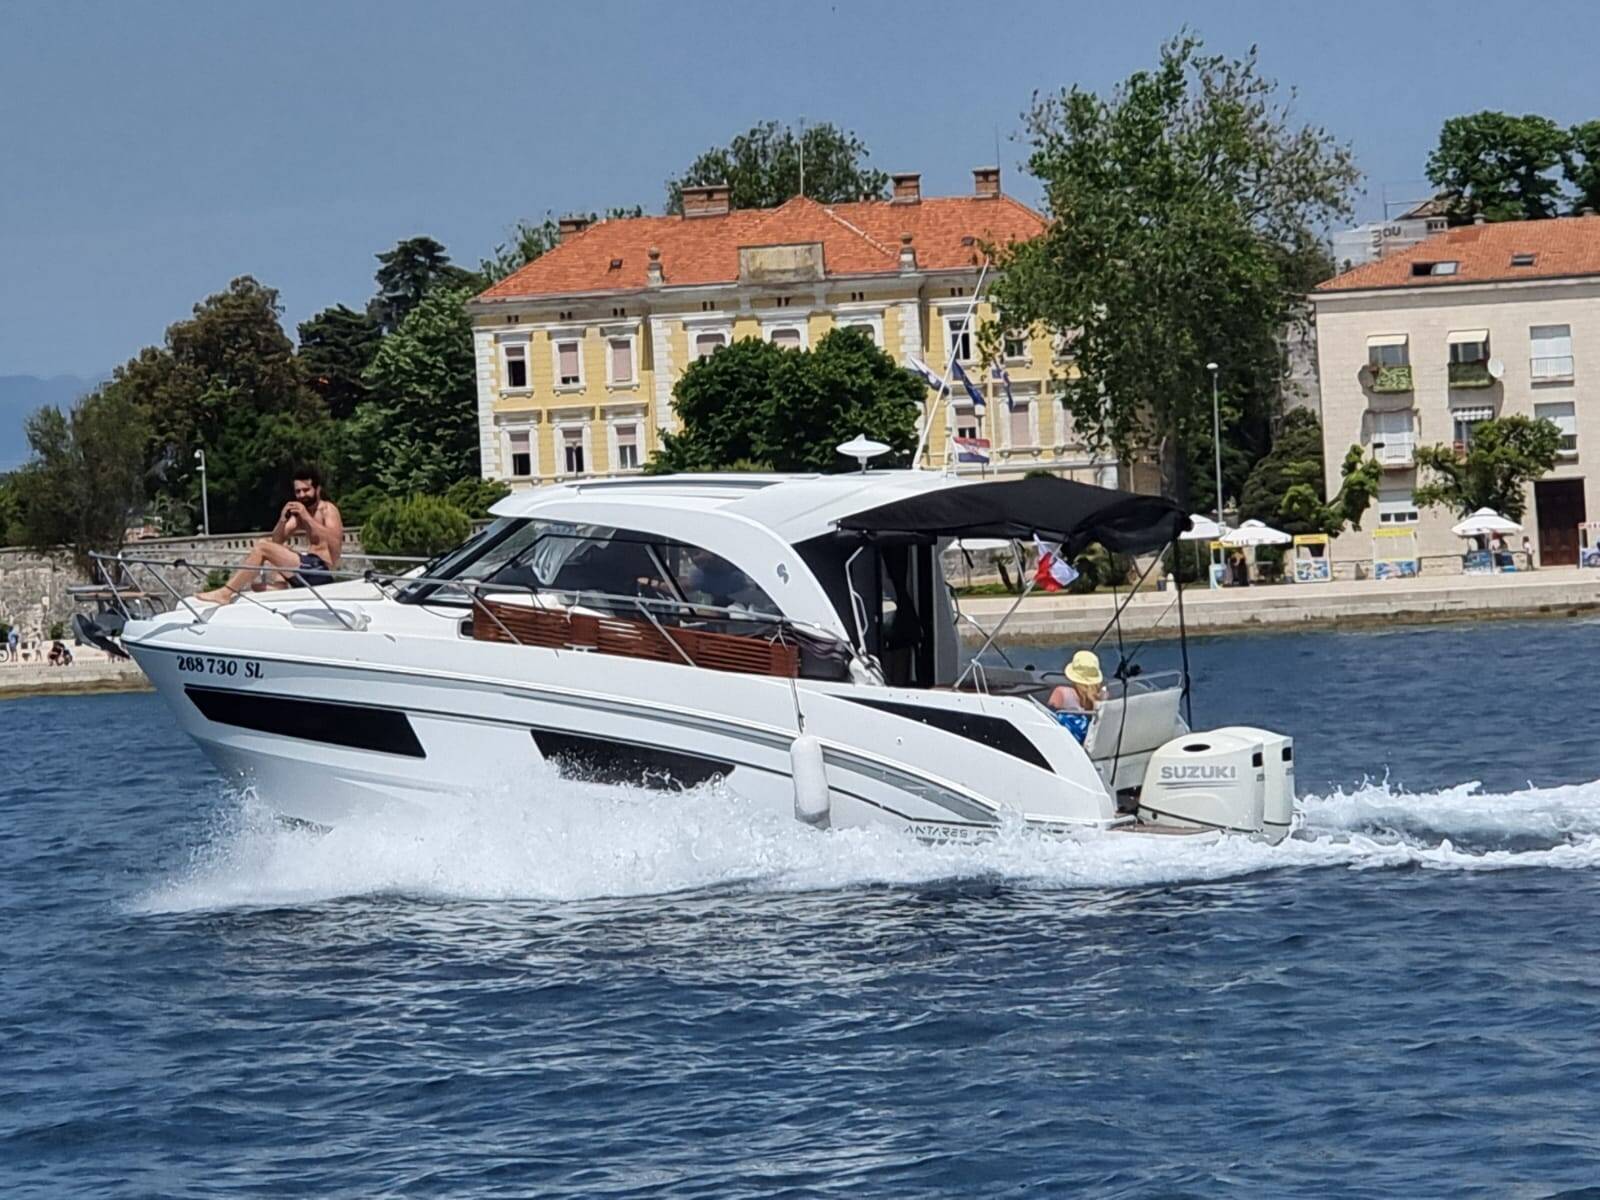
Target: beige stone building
<point>1477,322</point>
<point>578,352</point>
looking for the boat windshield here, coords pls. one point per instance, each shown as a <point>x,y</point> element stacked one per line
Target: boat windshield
<point>591,561</point>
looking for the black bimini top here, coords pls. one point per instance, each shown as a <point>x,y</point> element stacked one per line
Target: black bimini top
<point>1058,510</point>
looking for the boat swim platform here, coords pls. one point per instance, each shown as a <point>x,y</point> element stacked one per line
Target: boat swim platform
<point>1059,617</point>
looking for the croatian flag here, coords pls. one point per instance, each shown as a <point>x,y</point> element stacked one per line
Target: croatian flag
<point>927,373</point>
<point>960,377</point>
<point>1004,376</point>
<point>972,450</point>
<point>1053,573</point>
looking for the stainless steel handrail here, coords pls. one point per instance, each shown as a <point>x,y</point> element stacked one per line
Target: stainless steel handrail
<point>474,589</point>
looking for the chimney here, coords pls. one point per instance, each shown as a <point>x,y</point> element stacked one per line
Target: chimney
<point>707,200</point>
<point>1586,211</point>
<point>1479,219</point>
<point>907,187</point>
<point>571,226</point>
<point>986,182</point>
<point>652,273</point>
<point>908,256</point>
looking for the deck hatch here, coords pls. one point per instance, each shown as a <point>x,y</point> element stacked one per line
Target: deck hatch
<point>386,730</point>
<point>994,732</point>
<point>601,760</point>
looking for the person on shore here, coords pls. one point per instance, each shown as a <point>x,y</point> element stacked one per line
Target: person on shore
<point>310,516</point>
<point>1085,686</point>
<point>1527,551</point>
<point>1239,569</point>
<point>13,643</point>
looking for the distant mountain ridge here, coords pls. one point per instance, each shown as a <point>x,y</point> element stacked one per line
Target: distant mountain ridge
<point>20,395</point>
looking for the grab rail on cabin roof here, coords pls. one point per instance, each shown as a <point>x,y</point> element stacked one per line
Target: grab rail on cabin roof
<point>471,587</point>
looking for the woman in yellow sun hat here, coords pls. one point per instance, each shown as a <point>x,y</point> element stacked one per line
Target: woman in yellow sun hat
<point>1085,686</point>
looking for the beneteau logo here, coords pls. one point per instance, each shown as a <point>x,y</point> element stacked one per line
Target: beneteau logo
<point>1203,772</point>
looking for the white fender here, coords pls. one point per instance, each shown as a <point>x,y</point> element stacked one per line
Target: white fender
<point>811,801</point>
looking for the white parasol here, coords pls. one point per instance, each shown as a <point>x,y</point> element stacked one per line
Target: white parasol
<point>1202,529</point>
<point>1254,533</point>
<point>1484,522</point>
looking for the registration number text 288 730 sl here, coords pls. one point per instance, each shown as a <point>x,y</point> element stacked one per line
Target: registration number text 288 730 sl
<point>205,664</point>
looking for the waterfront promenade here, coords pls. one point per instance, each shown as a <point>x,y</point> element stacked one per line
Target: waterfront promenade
<point>1557,591</point>
<point>91,671</point>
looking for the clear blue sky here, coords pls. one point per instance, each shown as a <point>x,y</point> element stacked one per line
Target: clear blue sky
<point>150,152</point>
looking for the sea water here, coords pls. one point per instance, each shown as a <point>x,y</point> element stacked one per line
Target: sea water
<point>564,989</point>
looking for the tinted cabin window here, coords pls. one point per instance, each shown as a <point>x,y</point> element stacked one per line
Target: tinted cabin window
<point>586,562</point>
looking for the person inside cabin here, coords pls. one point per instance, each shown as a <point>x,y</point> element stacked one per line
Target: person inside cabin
<point>1085,687</point>
<point>310,516</point>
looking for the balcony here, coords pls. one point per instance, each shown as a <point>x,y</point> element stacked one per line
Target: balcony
<point>1568,449</point>
<point>1550,368</point>
<point>1470,375</point>
<point>1388,379</point>
<point>1395,452</point>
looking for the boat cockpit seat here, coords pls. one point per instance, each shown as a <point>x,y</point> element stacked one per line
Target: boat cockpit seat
<point>1137,723</point>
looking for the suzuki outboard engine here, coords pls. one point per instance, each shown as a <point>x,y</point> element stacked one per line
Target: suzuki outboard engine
<point>1221,779</point>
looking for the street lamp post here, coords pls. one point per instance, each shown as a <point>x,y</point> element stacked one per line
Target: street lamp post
<point>205,500</point>
<point>1216,434</point>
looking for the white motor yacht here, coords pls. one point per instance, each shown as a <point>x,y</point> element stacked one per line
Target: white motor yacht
<point>791,636</point>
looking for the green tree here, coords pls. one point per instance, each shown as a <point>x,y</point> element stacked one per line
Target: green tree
<point>408,273</point>
<point>754,406</point>
<point>226,382</point>
<point>530,240</point>
<point>1499,166</point>
<point>1285,489</point>
<point>1581,165</point>
<point>476,496</point>
<point>85,480</point>
<point>1505,456</point>
<point>762,167</point>
<point>414,526</point>
<point>336,346</point>
<point>1180,207</point>
<point>419,433</point>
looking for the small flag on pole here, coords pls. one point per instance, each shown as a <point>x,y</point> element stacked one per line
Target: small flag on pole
<point>972,449</point>
<point>1004,376</point>
<point>1054,573</point>
<point>960,377</point>
<point>929,376</point>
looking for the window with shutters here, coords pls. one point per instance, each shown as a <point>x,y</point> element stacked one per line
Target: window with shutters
<point>626,440</point>
<point>1551,359</point>
<point>967,423</point>
<point>959,337</point>
<point>519,450</point>
<point>569,363</point>
<point>514,365</point>
<point>1563,414</point>
<point>572,450</point>
<point>709,342</point>
<point>786,337</point>
<point>1394,436</point>
<point>619,362</point>
<point>1396,506</point>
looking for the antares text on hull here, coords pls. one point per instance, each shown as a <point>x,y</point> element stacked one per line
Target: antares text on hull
<point>793,636</point>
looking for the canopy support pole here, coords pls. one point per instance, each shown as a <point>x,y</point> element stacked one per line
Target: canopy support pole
<point>1183,640</point>
<point>999,625</point>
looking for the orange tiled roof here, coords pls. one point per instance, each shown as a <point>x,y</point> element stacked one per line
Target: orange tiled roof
<point>1483,253</point>
<point>860,238</point>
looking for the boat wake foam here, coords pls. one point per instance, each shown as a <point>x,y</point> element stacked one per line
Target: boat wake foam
<point>575,841</point>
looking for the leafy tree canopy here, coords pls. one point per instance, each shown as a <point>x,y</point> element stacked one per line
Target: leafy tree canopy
<point>1500,166</point>
<point>336,346</point>
<point>1505,456</point>
<point>1181,206</point>
<point>226,382</point>
<point>475,496</point>
<point>752,405</point>
<point>414,526</point>
<point>1285,489</point>
<point>762,167</point>
<point>85,481</point>
<point>1581,165</point>
<point>420,431</point>
<point>408,273</point>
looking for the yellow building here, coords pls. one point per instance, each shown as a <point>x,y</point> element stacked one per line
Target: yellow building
<point>577,353</point>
